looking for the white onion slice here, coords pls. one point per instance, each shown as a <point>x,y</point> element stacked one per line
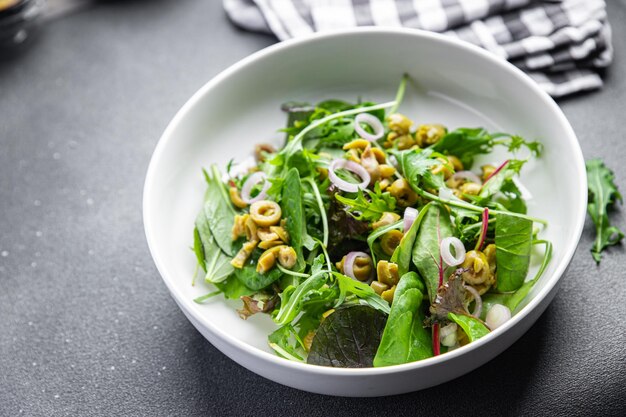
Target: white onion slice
<point>478,308</point>
<point>371,121</point>
<point>446,254</point>
<point>497,315</point>
<point>251,181</point>
<point>352,167</point>
<point>348,264</point>
<point>410,214</point>
<point>467,175</point>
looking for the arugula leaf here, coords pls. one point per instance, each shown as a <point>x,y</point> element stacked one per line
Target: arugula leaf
<point>405,339</point>
<point>435,226</point>
<point>216,263</point>
<point>348,338</point>
<point>286,343</point>
<point>378,233</point>
<point>514,237</point>
<point>292,300</point>
<point>603,194</point>
<point>370,208</point>
<point>473,327</point>
<point>219,211</point>
<point>361,290</point>
<point>416,166</point>
<point>466,143</point>
<point>294,213</point>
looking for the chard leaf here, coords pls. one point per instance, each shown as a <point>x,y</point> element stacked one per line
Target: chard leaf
<point>294,213</point>
<point>473,327</point>
<point>434,227</point>
<point>216,263</point>
<point>513,244</point>
<point>405,339</point>
<point>603,194</point>
<point>219,211</point>
<point>369,208</point>
<point>452,297</point>
<point>348,338</point>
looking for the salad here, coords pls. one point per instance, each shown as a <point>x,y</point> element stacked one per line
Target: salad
<point>369,238</point>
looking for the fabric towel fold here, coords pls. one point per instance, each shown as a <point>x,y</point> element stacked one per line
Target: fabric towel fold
<point>562,44</point>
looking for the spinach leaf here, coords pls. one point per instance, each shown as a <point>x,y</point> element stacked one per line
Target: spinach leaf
<point>255,280</point>
<point>603,194</point>
<point>198,249</point>
<point>513,299</point>
<point>233,289</point>
<point>473,327</point>
<point>435,226</point>
<point>216,263</point>
<point>348,338</point>
<point>405,339</point>
<point>294,213</point>
<point>402,255</point>
<point>513,244</point>
<point>219,211</point>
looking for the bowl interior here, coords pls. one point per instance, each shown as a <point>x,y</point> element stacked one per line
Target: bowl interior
<point>453,85</point>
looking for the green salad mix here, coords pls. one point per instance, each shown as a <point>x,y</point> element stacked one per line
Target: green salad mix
<point>369,239</point>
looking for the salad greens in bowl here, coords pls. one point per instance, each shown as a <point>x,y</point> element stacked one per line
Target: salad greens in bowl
<point>365,223</point>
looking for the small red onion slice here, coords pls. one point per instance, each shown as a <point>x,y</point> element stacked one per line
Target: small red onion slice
<point>348,264</point>
<point>371,121</point>
<point>410,214</point>
<point>251,181</point>
<point>478,308</point>
<point>352,167</point>
<point>467,175</point>
<point>446,254</point>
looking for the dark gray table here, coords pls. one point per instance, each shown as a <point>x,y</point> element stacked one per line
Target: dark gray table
<point>88,328</point>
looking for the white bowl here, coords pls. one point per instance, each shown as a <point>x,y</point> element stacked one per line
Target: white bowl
<point>456,84</point>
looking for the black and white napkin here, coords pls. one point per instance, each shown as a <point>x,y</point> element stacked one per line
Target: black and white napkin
<point>562,44</point>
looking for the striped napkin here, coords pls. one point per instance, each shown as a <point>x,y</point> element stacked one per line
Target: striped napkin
<point>562,44</point>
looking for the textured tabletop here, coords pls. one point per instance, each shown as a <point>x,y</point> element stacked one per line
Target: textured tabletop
<point>87,327</point>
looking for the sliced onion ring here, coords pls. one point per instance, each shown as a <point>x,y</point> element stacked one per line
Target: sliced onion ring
<point>348,264</point>
<point>467,175</point>
<point>251,181</point>
<point>371,121</point>
<point>410,214</point>
<point>446,254</point>
<point>478,308</point>
<point>352,167</point>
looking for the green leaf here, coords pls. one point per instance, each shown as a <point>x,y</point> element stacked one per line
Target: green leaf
<point>361,290</point>
<point>405,339</point>
<point>219,211</point>
<point>465,144</point>
<point>513,244</point>
<point>294,213</point>
<point>403,253</point>
<point>513,299</point>
<point>198,249</point>
<point>291,301</point>
<point>416,166</point>
<point>233,289</point>
<point>603,194</point>
<point>369,208</point>
<point>348,338</point>
<point>380,232</point>
<point>434,227</point>
<point>473,327</point>
<point>255,280</point>
<point>216,263</point>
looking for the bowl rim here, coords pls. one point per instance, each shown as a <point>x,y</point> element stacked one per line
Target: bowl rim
<point>552,280</point>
